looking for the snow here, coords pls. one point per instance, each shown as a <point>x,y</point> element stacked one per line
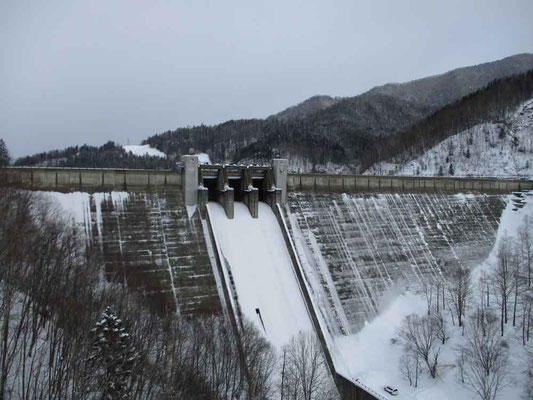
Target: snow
<point>203,158</point>
<point>262,271</point>
<point>190,211</point>
<point>144,150</point>
<point>76,206</point>
<point>371,357</point>
<point>497,149</point>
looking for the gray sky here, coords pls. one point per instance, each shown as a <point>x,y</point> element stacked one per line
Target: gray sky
<point>74,72</point>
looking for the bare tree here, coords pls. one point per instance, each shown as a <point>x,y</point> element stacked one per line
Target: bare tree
<point>517,278</point>
<point>526,247</point>
<point>502,276</point>
<point>420,336</point>
<point>527,304</point>
<point>459,288</point>
<point>440,327</point>
<point>306,373</point>
<point>429,289</point>
<point>484,358</point>
<point>410,367</point>
<point>260,362</point>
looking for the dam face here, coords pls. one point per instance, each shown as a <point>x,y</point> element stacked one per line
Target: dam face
<point>356,247</point>
<point>150,242</point>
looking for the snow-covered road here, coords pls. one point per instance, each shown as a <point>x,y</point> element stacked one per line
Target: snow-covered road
<point>262,271</point>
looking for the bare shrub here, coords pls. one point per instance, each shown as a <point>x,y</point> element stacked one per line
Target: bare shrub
<point>484,357</point>
<point>410,368</point>
<point>459,289</point>
<point>502,276</point>
<point>420,337</point>
<point>306,375</point>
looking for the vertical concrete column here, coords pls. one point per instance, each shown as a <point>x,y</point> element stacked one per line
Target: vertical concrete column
<point>226,198</point>
<point>251,199</point>
<point>225,193</point>
<point>189,181</point>
<point>280,167</point>
<point>203,198</point>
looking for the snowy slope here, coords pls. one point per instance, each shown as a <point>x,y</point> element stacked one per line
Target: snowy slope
<point>262,271</point>
<point>371,357</point>
<point>502,149</point>
<point>144,150</point>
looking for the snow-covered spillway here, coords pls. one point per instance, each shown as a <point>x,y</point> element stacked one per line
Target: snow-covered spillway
<point>255,251</point>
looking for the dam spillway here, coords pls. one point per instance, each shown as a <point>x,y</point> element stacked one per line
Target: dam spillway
<point>254,253</point>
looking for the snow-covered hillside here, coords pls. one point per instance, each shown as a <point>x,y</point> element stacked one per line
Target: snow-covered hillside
<point>503,149</point>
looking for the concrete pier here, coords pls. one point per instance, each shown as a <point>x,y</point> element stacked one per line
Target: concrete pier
<point>280,167</point>
<point>251,199</point>
<point>190,179</point>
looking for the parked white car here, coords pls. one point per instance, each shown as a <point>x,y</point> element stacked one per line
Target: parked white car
<point>390,390</point>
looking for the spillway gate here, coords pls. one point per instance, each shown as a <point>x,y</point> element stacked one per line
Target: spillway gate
<point>227,184</point>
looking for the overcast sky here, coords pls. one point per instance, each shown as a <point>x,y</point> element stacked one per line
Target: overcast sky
<point>74,72</point>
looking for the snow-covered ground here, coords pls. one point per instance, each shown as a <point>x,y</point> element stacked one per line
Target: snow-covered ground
<point>144,150</point>
<point>262,271</point>
<point>371,356</point>
<point>490,149</point>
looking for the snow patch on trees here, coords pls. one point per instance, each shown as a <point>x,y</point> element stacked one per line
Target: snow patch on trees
<point>144,150</point>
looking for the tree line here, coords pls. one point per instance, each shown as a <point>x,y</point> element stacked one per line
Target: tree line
<point>109,155</point>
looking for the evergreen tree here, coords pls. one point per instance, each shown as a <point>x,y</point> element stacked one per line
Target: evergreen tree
<point>4,154</point>
<point>451,171</point>
<point>113,356</point>
<point>441,172</point>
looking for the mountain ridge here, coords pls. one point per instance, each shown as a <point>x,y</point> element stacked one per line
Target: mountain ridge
<point>323,133</point>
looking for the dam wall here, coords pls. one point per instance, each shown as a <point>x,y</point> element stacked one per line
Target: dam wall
<point>62,179</point>
<point>358,183</point>
<point>49,178</point>
<point>354,248</point>
<point>150,241</point>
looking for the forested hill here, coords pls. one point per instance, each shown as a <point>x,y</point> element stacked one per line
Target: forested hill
<point>326,134</point>
<point>321,133</point>
<point>110,155</point>
<point>433,91</point>
<point>493,104</point>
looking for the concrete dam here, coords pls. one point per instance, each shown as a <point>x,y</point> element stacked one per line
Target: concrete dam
<point>324,250</point>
